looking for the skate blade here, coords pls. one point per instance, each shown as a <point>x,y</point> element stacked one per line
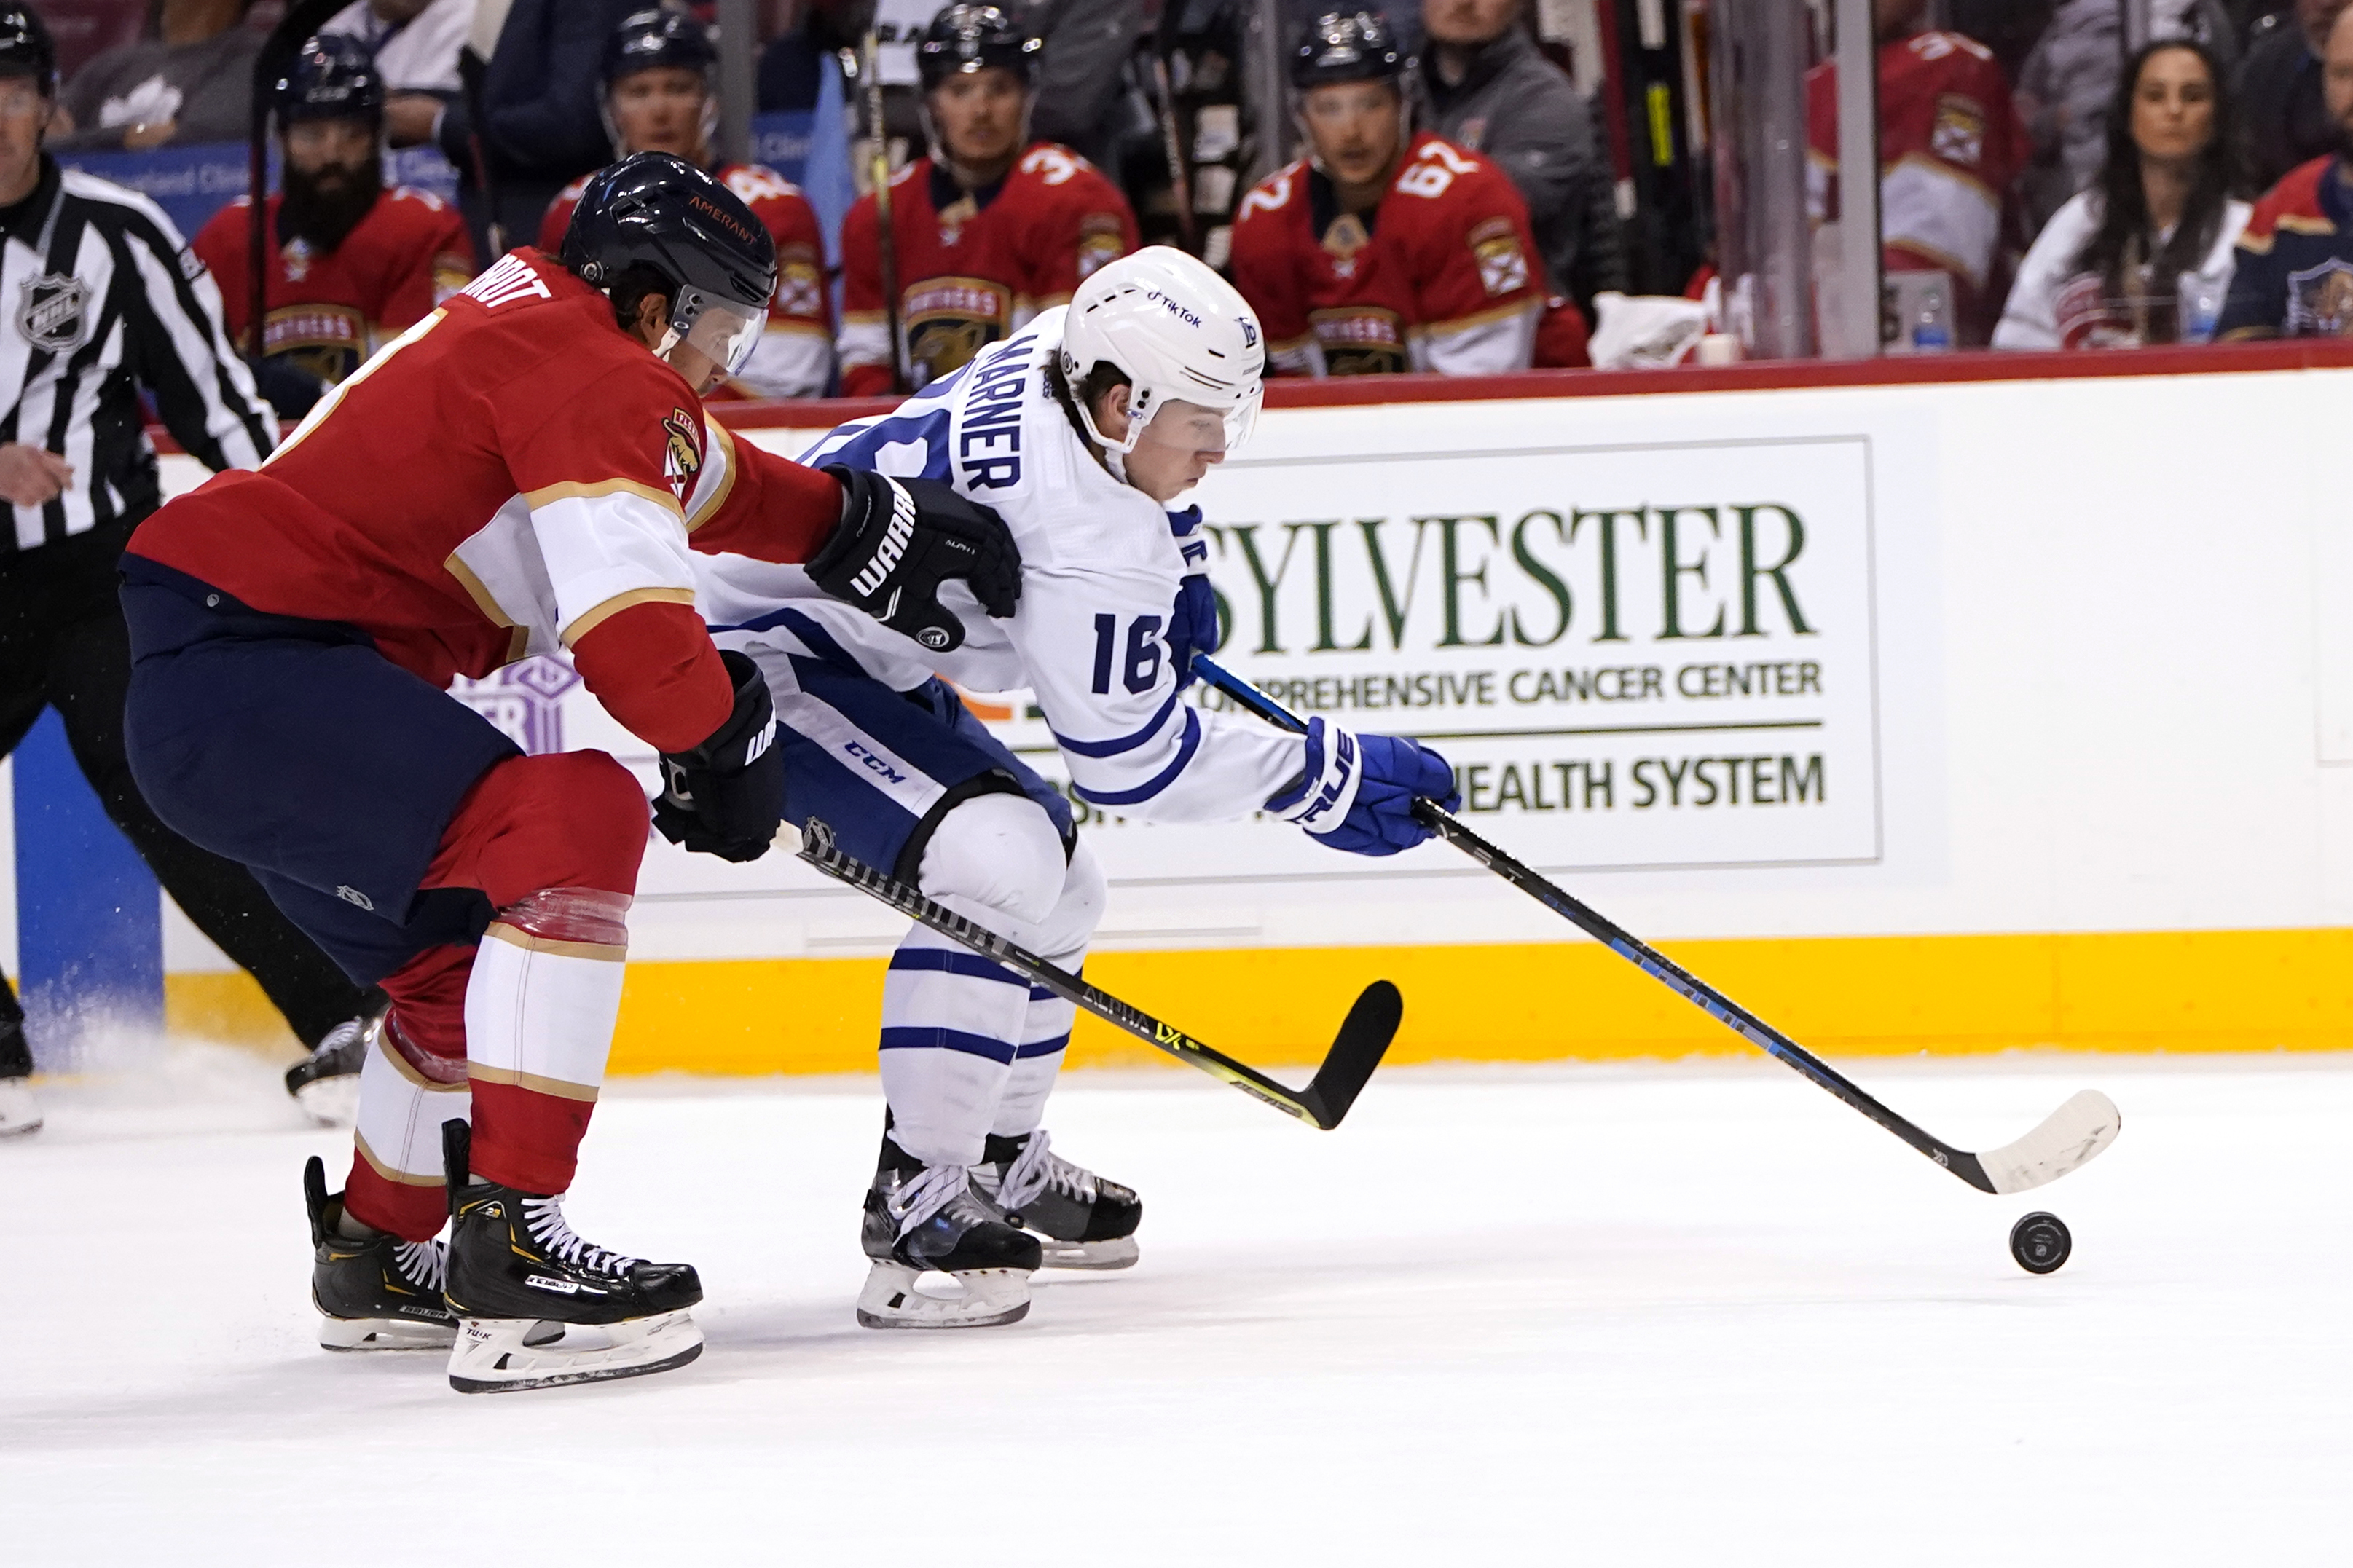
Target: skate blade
<point>383,1334</point>
<point>987,1297</point>
<point>501,1355</point>
<point>18,1129</point>
<point>1119,1252</point>
<point>331,1101</point>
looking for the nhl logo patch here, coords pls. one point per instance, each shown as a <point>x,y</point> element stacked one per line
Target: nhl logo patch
<point>53,312</point>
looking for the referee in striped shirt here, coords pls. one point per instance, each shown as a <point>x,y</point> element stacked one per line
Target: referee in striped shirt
<point>98,296</point>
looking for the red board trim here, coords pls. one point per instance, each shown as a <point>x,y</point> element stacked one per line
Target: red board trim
<point>1763,376</point>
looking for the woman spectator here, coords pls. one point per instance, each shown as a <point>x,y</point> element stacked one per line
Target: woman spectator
<point>2110,268</point>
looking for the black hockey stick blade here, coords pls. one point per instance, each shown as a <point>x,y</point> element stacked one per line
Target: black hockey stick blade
<point>1363,1039</point>
<point>2069,1138</point>
<point>1364,1035</point>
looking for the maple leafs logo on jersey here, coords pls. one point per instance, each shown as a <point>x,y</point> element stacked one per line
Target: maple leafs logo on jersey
<point>682,452</point>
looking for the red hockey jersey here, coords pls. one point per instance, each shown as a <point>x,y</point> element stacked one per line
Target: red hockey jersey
<point>973,266</point>
<point>795,357</point>
<point>1441,277</point>
<point>511,474</point>
<point>1950,144</point>
<point>328,311</point>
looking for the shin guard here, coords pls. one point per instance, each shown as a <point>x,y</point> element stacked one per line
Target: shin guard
<point>540,1009</point>
<point>406,1094</point>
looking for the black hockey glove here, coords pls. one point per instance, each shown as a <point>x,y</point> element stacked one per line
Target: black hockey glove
<point>899,540</point>
<point>726,796</point>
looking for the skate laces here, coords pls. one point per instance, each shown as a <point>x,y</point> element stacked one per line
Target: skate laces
<point>935,1190</point>
<point>545,1218</point>
<point>1039,1168</point>
<point>424,1263</point>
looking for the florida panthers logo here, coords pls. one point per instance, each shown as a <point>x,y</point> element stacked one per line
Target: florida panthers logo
<point>682,451</point>
<point>53,312</point>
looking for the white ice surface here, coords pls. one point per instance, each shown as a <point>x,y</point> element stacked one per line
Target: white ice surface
<point>1584,1316</point>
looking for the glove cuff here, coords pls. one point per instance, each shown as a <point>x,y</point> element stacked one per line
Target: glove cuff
<point>1326,793</point>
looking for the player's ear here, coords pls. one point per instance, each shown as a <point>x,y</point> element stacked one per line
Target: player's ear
<point>1110,410</point>
<point>652,319</point>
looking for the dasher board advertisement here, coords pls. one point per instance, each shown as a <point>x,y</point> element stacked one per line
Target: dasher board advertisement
<point>1634,656</point>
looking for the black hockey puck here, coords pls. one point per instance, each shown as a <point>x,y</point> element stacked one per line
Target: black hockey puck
<point>2041,1243</point>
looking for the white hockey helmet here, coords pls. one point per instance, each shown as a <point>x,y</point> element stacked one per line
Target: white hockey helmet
<point>1176,330</point>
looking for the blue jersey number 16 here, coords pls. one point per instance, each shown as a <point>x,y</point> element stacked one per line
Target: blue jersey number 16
<point>1142,663</point>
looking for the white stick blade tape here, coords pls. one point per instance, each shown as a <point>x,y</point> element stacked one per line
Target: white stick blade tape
<point>2069,1137</point>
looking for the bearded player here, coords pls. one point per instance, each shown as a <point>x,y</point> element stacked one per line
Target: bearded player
<point>1083,429</point>
<point>528,468</point>
<point>1382,250</point>
<point>986,232</point>
<point>350,265</point>
<point>660,95</point>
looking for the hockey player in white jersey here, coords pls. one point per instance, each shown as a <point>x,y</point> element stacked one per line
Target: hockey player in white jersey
<point>1078,431</point>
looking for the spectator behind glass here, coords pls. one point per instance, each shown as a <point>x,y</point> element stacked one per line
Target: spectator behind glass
<point>1949,145</point>
<point>2108,269</point>
<point>2068,86</point>
<point>415,44</point>
<point>542,126</point>
<point>1082,88</point>
<point>2278,89</point>
<point>2294,273</point>
<point>1490,89</point>
<point>189,80</point>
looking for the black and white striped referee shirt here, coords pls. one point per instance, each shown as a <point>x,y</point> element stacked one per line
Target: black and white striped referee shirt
<point>99,295</point>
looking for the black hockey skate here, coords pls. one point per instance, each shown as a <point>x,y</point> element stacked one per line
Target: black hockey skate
<point>326,1083</point>
<point>516,1265</point>
<point>1081,1220</point>
<point>923,1219</point>
<point>380,1294</point>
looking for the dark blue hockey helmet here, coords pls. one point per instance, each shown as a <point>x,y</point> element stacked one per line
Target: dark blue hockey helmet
<point>656,211</point>
<point>1347,45</point>
<point>649,39</point>
<point>331,77</point>
<point>27,48</point>
<point>964,38</point>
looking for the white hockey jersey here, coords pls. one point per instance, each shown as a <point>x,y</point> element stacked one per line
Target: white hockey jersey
<point>1101,566</point>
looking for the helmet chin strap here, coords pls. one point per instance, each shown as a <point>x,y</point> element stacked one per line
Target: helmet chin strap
<point>1114,453</point>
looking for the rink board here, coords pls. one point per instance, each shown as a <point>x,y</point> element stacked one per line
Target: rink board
<point>1948,715</point>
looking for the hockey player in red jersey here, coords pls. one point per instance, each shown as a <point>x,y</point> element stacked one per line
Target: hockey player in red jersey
<point>1950,145</point>
<point>526,468</point>
<point>660,97</point>
<point>985,233</point>
<point>351,265</point>
<point>1380,251</point>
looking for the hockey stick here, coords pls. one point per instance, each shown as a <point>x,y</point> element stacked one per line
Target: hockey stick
<point>1172,145</point>
<point>2069,1137</point>
<point>886,232</point>
<point>1364,1035</point>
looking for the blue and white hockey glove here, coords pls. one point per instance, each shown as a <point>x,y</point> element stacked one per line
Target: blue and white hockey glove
<point>1193,622</point>
<point>1358,791</point>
